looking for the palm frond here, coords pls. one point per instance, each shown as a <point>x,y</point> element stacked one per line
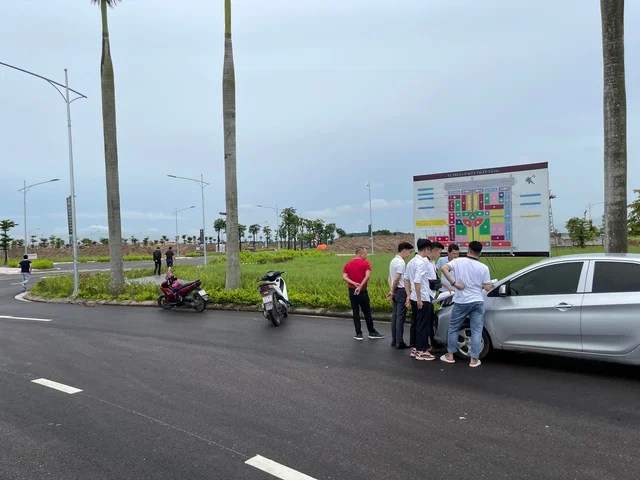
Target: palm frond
<point>110,3</point>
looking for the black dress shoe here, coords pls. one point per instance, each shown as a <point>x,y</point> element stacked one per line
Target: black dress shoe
<point>402,346</point>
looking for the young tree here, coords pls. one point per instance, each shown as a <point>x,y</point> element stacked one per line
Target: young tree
<point>44,242</point>
<point>230,173</point>
<point>633,220</point>
<point>330,233</point>
<point>219,225</point>
<point>253,231</point>
<point>134,240</point>
<point>241,230</point>
<point>615,126</point>
<point>267,233</point>
<point>145,241</point>
<point>581,231</point>
<point>104,241</point>
<point>107,82</point>
<point>5,239</point>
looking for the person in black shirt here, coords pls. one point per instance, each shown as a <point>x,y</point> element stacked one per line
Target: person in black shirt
<point>169,255</point>
<point>157,261</point>
<point>25,270</point>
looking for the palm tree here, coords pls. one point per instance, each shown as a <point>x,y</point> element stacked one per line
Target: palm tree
<point>230,175</point>
<point>254,230</point>
<point>241,230</point>
<point>218,226</point>
<point>116,284</point>
<point>267,233</point>
<point>615,127</point>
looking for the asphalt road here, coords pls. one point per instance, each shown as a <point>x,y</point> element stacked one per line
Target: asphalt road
<point>182,395</point>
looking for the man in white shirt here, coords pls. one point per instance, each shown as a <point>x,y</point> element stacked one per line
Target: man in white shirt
<point>409,287</point>
<point>397,295</point>
<point>453,251</point>
<point>471,278</point>
<point>422,295</point>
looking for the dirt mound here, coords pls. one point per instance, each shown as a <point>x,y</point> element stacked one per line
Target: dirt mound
<point>381,243</point>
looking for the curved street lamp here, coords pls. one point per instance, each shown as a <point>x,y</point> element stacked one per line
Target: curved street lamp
<point>24,191</point>
<point>176,214</point>
<point>72,197</point>
<point>275,234</point>
<point>202,184</point>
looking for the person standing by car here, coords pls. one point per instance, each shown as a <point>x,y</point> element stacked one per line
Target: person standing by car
<point>453,251</point>
<point>397,295</point>
<point>425,291</point>
<point>157,261</point>
<point>471,278</point>
<point>356,274</point>
<point>169,255</point>
<point>25,270</point>
<point>411,280</point>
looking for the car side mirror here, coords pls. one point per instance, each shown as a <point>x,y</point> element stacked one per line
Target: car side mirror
<point>502,291</point>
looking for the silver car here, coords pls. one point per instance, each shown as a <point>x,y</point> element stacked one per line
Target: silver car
<point>575,305</point>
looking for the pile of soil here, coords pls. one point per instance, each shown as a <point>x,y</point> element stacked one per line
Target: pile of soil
<point>381,243</point>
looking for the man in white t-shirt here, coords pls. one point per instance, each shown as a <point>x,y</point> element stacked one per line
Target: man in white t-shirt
<point>453,251</point>
<point>421,297</point>
<point>471,278</point>
<point>397,295</point>
<point>409,286</point>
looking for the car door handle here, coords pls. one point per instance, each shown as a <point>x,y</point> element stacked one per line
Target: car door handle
<point>562,306</point>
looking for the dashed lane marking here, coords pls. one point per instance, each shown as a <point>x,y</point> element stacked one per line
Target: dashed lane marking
<point>56,386</point>
<point>276,469</point>
<point>9,317</point>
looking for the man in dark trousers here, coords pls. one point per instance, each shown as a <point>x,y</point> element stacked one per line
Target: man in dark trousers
<point>169,255</point>
<point>356,273</point>
<point>157,261</point>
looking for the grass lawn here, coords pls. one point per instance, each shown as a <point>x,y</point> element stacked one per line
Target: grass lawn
<point>314,279</point>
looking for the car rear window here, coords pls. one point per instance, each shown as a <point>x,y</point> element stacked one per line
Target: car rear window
<point>611,277</point>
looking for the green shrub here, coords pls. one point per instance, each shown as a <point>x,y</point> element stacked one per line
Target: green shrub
<point>38,264</point>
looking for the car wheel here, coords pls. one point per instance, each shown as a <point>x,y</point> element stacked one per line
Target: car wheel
<point>464,343</point>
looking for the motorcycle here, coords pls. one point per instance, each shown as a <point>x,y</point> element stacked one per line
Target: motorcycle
<point>275,301</point>
<point>186,295</point>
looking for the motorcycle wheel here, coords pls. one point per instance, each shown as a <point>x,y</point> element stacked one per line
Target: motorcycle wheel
<point>199,304</point>
<point>164,303</point>
<point>274,317</point>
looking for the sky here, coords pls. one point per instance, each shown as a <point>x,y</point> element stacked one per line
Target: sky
<point>331,96</point>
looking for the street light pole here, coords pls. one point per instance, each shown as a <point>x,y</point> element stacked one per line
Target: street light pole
<point>275,234</point>
<point>370,217</point>
<point>177,237</point>
<point>202,184</point>
<point>68,101</point>
<point>24,191</point>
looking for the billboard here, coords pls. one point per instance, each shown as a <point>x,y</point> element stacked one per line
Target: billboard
<point>504,208</point>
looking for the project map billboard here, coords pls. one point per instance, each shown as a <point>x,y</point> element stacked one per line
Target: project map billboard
<point>504,208</point>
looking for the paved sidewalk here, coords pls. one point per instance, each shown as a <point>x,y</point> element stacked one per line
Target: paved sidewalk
<point>9,270</point>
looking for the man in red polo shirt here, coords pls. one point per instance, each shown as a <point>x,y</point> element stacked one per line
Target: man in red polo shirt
<point>356,273</point>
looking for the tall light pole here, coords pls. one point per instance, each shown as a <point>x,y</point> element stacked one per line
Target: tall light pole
<point>275,234</point>
<point>202,184</point>
<point>24,191</point>
<point>72,198</point>
<point>176,214</point>
<point>370,217</point>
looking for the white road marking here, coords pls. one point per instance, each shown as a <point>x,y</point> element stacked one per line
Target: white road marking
<point>275,469</point>
<point>9,317</point>
<point>56,386</point>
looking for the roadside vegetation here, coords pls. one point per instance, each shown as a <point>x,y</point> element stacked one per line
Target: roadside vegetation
<point>314,278</point>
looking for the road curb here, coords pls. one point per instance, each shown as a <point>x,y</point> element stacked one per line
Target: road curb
<point>320,312</point>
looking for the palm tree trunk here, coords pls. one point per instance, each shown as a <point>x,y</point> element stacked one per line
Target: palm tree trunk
<point>615,127</point>
<point>230,175</point>
<point>116,284</point>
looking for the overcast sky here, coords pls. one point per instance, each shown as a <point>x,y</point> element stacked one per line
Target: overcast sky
<point>331,94</point>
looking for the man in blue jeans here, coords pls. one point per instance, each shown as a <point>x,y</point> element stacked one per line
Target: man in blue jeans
<point>471,278</point>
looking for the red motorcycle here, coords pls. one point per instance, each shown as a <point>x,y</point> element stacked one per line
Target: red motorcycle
<point>187,295</point>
